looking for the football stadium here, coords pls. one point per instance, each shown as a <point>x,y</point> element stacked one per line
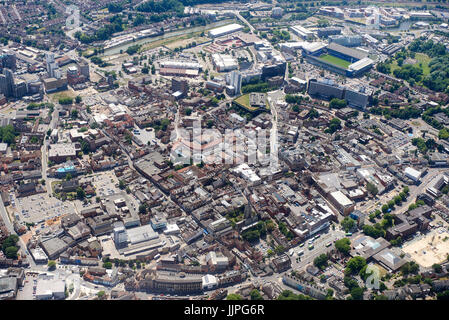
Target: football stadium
<point>342,60</point>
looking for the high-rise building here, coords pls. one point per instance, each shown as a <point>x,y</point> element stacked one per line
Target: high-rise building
<point>84,69</point>
<point>7,83</point>
<point>8,59</point>
<point>20,89</point>
<point>178,84</point>
<point>236,81</point>
<point>52,66</point>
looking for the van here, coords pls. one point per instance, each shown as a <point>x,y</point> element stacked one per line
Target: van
<point>291,252</point>
<point>328,244</point>
<point>300,253</point>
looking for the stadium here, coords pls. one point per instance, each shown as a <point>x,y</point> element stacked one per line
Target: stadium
<point>342,60</point>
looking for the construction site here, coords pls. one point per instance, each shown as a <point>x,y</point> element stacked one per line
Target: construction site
<point>430,249</point>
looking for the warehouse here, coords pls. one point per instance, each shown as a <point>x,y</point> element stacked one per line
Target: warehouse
<point>222,31</point>
<point>224,62</point>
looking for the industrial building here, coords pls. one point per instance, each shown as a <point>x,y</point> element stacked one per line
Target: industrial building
<point>224,62</point>
<point>225,30</point>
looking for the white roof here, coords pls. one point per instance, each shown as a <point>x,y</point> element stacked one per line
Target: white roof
<point>415,174</point>
<point>362,63</point>
<point>225,29</point>
<point>341,198</point>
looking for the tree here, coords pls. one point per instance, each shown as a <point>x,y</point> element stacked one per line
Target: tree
<point>80,193</point>
<point>337,103</point>
<point>385,208</point>
<point>348,223</point>
<point>437,268</point>
<point>334,125</point>
<point>343,245</point>
<point>107,265</point>
<point>68,177</point>
<point>143,208</point>
<point>234,296</point>
<point>101,294</point>
<point>78,99</point>
<point>357,293</point>
<point>121,184</point>
<point>11,252</point>
<point>355,265</point>
<point>410,267</point>
<point>371,187</point>
<point>51,265</point>
<point>74,114</point>
<point>321,261</point>
<point>255,295</point>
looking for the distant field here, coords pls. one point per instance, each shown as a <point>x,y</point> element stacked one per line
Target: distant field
<point>335,61</point>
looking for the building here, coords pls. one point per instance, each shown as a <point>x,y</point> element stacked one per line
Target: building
<point>304,286</point>
<point>282,263</point>
<point>302,32</point>
<point>179,84</point>
<point>347,41</point>
<point>8,59</point>
<point>225,30</point>
<point>329,31</point>
<point>389,260</point>
<point>8,288</point>
<point>224,62</point>
<point>326,89</point>
<point>7,83</point>
<point>341,202</point>
<point>277,12</point>
<point>357,99</point>
<point>61,152</point>
<point>49,288</point>
<point>54,84</point>
<point>413,174</point>
<point>235,80</point>
<point>209,282</point>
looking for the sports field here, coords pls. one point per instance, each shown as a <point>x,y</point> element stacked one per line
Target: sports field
<point>335,61</point>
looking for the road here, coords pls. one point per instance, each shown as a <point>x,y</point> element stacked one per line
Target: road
<point>237,14</point>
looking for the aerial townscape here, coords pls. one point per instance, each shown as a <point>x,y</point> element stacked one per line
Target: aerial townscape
<point>224,150</point>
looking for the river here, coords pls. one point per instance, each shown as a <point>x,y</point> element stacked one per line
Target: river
<point>116,50</point>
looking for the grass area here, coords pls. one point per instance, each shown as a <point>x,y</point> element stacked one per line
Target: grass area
<point>62,94</point>
<point>335,61</point>
<point>244,102</point>
<point>421,58</point>
<point>424,59</point>
<point>53,184</point>
<point>183,42</point>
